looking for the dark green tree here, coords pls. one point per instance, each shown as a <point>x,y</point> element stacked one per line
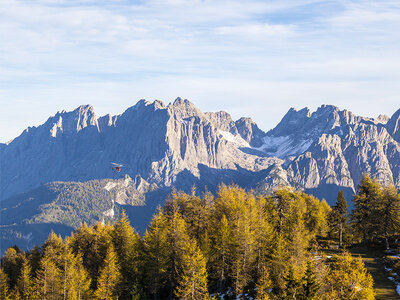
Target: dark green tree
<point>4,290</point>
<point>11,265</point>
<point>366,218</point>
<point>338,217</point>
<point>310,286</point>
<point>294,288</point>
<point>390,215</point>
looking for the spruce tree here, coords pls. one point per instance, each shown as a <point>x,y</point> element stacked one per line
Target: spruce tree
<point>34,259</point>
<point>11,264</point>
<point>366,217</point>
<point>310,286</point>
<point>390,215</point>
<point>338,217</point>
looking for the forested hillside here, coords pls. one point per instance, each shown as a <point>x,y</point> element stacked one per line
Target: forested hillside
<point>231,245</point>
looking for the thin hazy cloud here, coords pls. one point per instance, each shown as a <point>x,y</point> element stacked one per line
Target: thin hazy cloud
<point>59,54</point>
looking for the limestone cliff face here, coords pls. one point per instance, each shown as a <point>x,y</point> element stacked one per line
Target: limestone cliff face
<point>393,125</point>
<point>179,145</point>
<point>161,143</point>
<point>66,162</point>
<point>50,151</point>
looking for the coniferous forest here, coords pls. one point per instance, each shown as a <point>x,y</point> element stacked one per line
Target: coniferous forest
<point>232,245</point>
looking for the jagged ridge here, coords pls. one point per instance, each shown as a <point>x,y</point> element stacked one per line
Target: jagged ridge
<point>178,145</point>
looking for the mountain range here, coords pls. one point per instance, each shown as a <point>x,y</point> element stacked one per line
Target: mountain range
<point>60,174</point>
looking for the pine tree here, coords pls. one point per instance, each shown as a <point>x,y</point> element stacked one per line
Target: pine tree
<point>366,217</point>
<point>25,282</point>
<point>137,292</point>
<point>390,215</point>
<point>109,278</point>
<point>34,259</point>
<point>11,265</point>
<point>338,217</point>
<point>310,286</point>
<point>4,290</point>
<point>192,284</point>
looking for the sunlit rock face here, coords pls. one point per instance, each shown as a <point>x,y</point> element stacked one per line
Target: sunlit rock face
<point>178,145</point>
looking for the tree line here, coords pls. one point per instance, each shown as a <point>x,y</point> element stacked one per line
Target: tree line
<point>233,245</point>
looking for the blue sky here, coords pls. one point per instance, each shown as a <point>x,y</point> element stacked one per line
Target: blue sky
<point>250,58</point>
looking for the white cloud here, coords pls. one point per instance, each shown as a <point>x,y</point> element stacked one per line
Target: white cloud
<point>218,53</point>
<point>258,30</point>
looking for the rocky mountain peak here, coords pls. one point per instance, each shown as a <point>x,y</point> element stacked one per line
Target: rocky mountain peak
<point>177,145</point>
<point>382,119</point>
<point>72,122</point>
<point>326,109</point>
<point>249,131</point>
<point>222,120</point>
<point>158,104</point>
<point>393,125</point>
<point>183,108</point>
<point>165,143</point>
<point>291,122</point>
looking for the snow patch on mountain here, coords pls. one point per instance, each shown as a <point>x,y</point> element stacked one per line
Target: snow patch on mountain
<point>109,212</point>
<point>110,185</point>
<point>236,139</point>
<point>284,146</point>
